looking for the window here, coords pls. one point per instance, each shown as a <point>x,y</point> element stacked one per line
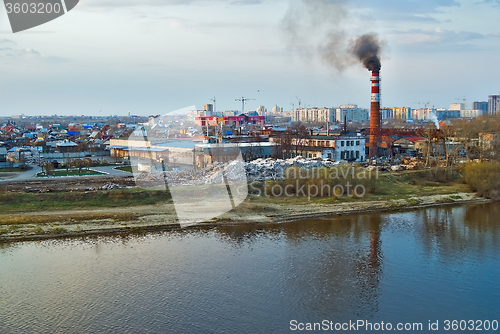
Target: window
<point>348,143</point>
<point>357,142</point>
<point>357,155</point>
<point>352,142</point>
<point>342,143</point>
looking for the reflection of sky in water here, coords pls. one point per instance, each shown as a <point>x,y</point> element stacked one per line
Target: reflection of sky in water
<point>415,266</point>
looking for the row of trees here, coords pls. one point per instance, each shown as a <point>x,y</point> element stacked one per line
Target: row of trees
<point>470,139</point>
<point>291,142</point>
<point>461,140</point>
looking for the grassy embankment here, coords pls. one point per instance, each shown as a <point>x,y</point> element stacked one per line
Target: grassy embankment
<point>33,202</point>
<point>378,187</point>
<point>29,210</point>
<point>388,186</point>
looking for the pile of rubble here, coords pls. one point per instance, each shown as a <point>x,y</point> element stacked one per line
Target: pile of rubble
<point>234,171</point>
<point>270,169</point>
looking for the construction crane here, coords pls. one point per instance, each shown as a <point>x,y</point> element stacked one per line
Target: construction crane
<point>213,100</point>
<point>464,99</point>
<point>243,100</point>
<point>300,102</point>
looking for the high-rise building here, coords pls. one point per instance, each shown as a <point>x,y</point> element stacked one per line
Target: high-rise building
<point>277,110</point>
<point>209,109</point>
<point>352,113</point>
<point>402,114</point>
<point>386,113</point>
<point>422,114</point>
<point>457,106</point>
<point>483,106</point>
<point>313,115</point>
<point>494,104</point>
<point>261,110</point>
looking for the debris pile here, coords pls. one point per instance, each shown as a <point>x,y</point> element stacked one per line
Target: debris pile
<point>270,169</point>
<point>234,171</point>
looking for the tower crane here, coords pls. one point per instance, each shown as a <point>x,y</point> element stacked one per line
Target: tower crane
<point>464,99</point>
<point>215,109</point>
<point>300,102</point>
<point>243,100</point>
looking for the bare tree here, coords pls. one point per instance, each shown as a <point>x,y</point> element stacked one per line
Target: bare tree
<point>429,134</point>
<point>88,163</point>
<point>78,163</point>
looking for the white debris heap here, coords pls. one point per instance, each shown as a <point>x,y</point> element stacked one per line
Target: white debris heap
<point>257,170</point>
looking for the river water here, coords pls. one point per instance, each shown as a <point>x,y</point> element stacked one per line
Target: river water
<point>433,265</point>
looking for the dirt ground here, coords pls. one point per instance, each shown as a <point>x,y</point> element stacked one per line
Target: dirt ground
<point>66,184</point>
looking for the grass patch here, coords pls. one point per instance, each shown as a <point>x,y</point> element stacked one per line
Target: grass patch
<point>64,172</point>
<point>388,186</point>
<point>11,170</point>
<point>58,230</point>
<point>27,219</point>
<point>129,169</point>
<point>39,230</point>
<point>29,202</point>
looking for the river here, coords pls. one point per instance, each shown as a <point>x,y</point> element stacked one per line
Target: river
<point>432,264</point>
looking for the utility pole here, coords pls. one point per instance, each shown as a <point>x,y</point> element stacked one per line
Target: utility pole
<point>243,100</point>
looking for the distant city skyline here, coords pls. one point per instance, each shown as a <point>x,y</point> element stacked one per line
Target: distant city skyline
<point>157,56</point>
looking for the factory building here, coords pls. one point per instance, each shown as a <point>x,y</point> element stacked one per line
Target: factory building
<point>350,147</point>
<point>230,120</point>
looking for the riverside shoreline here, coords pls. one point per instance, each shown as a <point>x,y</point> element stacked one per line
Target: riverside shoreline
<point>153,218</point>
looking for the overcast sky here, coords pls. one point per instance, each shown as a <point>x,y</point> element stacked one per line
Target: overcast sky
<point>154,56</point>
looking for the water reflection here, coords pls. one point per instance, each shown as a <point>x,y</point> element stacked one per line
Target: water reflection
<point>452,231</point>
<point>256,278</point>
<point>339,264</point>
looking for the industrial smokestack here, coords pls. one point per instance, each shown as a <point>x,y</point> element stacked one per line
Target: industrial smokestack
<point>367,49</point>
<point>375,114</point>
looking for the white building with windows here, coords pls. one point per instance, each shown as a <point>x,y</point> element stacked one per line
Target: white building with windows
<point>313,115</point>
<point>350,148</point>
<point>352,113</point>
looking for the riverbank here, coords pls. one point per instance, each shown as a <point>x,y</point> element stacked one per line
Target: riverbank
<point>161,217</point>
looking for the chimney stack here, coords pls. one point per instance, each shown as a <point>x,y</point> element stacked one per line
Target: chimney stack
<point>375,115</point>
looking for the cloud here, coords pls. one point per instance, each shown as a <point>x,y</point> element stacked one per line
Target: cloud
<point>416,7</point>
<point>495,3</point>
<point>7,41</point>
<point>437,40</point>
<point>16,54</point>
<point>402,11</point>
<point>104,5</point>
<point>435,36</point>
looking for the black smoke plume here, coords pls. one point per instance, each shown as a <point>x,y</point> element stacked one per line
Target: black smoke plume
<point>367,48</point>
<point>324,29</point>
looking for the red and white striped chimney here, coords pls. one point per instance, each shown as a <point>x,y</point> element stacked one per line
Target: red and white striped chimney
<point>375,115</point>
